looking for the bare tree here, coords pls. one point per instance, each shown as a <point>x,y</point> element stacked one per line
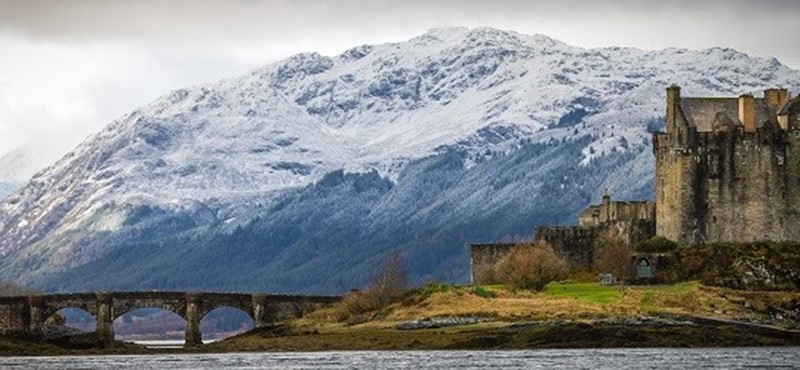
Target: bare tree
<point>614,256</point>
<point>389,279</point>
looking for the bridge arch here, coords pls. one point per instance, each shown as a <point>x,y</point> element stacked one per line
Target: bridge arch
<point>225,321</point>
<point>243,303</point>
<point>77,318</point>
<point>149,323</point>
<point>85,302</point>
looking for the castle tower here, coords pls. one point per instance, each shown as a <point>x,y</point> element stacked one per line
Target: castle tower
<point>727,168</point>
<point>676,169</point>
<point>605,207</point>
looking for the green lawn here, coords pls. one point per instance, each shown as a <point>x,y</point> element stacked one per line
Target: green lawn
<point>598,293</point>
<point>590,292</point>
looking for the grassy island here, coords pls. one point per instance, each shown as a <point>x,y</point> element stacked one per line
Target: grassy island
<point>562,315</point>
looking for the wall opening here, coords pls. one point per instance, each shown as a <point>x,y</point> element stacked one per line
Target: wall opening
<point>224,322</point>
<point>644,269</point>
<point>68,322</point>
<point>150,326</point>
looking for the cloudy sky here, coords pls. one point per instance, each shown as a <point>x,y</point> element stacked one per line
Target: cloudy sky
<point>67,68</point>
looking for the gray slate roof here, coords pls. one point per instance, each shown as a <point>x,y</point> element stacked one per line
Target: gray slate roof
<point>702,112</point>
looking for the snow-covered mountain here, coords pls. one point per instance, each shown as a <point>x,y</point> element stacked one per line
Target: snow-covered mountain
<point>425,127</point>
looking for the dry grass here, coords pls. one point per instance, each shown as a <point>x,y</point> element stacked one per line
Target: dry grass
<point>570,301</point>
<point>577,304</point>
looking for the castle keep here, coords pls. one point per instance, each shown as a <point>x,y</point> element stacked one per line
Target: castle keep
<point>727,170</point>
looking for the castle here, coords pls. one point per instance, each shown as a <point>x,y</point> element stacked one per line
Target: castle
<point>727,170</point>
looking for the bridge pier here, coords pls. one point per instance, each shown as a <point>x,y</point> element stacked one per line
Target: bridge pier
<point>105,318</point>
<point>259,312</point>
<point>35,319</point>
<point>193,312</point>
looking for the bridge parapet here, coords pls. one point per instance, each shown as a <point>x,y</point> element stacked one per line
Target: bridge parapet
<point>26,314</point>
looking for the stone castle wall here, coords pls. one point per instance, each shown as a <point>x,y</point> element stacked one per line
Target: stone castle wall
<point>483,255</point>
<point>578,245</point>
<point>575,244</point>
<point>731,184</point>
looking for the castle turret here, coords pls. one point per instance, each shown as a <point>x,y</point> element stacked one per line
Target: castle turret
<point>605,208</point>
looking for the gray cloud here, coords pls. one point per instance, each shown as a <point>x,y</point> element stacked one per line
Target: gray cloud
<point>187,19</point>
<point>139,50</point>
<point>761,27</point>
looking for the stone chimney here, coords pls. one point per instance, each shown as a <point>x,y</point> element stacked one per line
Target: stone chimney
<point>776,98</point>
<point>673,99</point>
<point>747,112</point>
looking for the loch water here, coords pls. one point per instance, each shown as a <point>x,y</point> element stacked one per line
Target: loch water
<point>650,358</point>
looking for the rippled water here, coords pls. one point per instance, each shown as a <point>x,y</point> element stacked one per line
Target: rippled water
<point>652,358</point>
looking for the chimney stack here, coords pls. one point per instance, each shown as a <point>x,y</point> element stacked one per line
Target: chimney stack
<point>776,98</point>
<point>673,100</point>
<point>747,112</point>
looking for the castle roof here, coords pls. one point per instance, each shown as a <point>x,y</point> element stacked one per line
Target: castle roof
<point>702,112</point>
<point>788,107</point>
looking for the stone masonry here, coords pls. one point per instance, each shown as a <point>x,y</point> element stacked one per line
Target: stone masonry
<point>728,169</point>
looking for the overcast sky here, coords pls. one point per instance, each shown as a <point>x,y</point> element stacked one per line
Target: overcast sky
<point>67,68</point>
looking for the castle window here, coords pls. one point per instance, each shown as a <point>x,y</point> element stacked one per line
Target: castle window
<point>713,166</point>
<point>714,219</point>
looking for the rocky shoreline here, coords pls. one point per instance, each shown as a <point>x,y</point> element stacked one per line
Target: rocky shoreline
<point>452,333</point>
<point>444,334</point>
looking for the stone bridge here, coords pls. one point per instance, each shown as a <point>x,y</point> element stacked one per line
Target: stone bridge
<point>26,314</point>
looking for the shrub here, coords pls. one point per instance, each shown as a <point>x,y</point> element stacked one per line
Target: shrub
<point>354,303</point>
<point>657,244</point>
<point>530,266</point>
<point>430,289</point>
<point>389,284</point>
<point>483,292</point>
<point>485,274</point>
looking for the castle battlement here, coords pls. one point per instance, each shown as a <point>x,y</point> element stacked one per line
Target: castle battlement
<point>728,169</point>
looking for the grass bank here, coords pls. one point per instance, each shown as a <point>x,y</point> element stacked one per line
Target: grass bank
<point>563,315</point>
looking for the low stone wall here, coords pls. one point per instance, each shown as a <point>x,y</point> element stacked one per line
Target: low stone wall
<point>486,254</point>
<point>575,244</point>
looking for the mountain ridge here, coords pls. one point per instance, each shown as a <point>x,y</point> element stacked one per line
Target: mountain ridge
<point>216,156</point>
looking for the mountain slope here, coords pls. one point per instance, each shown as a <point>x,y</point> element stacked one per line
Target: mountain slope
<point>175,182</point>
